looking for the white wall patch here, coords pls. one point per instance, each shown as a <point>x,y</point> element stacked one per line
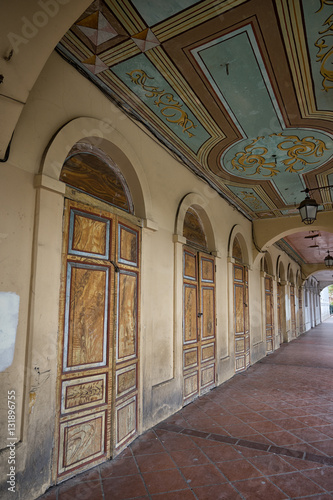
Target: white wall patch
<point>9,313</point>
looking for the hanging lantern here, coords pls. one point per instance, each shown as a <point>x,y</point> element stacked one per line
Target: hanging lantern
<point>328,260</point>
<point>308,210</point>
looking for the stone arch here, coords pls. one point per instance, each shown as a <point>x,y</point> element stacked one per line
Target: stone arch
<point>104,136</point>
<point>291,275</point>
<point>267,264</point>
<point>281,271</point>
<point>199,204</point>
<point>236,232</point>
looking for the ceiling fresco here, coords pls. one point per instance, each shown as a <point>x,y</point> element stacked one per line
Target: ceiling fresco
<point>241,91</point>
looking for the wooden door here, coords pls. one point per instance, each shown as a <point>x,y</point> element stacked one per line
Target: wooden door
<point>269,314</point>
<point>198,323</point>
<point>300,308</point>
<point>98,341</point>
<point>279,312</point>
<point>292,311</point>
<point>241,317</point>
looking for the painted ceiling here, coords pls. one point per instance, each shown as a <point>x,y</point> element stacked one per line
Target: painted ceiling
<point>241,91</point>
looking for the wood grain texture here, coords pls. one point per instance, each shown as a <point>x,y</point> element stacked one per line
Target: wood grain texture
<point>207,270</point>
<point>81,440</point>
<point>126,418</point>
<point>237,251</point>
<point>127,314</point>
<point>89,235</point>
<point>191,384</point>
<point>128,245</point>
<point>208,312</point>
<point>126,380</point>
<point>86,329</point>
<point>190,314</point>
<point>190,265</point>
<point>193,229</point>
<point>83,394</point>
<point>94,176</point>
<point>190,358</point>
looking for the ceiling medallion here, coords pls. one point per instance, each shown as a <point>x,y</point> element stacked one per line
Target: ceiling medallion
<point>294,150</point>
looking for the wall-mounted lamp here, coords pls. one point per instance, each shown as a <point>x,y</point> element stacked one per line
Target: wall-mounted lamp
<point>328,260</point>
<point>308,207</point>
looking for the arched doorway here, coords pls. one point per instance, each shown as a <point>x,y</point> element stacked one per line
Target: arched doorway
<point>98,362</point>
<point>199,323</point>
<point>292,304</point>
<point>269,305</point>
<point>281,313</point>
<point>241,308</point>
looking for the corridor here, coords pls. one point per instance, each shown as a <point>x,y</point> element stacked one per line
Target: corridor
<point>265,434</point>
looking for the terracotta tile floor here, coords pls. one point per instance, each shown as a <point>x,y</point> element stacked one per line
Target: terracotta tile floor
<point>265,434</point>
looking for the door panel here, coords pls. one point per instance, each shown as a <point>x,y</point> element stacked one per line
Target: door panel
<point>127,315</point>
<point>190,313</point>
<point>86,316</point>
<point>198,323</point>
<point>241,317</point>
<point>127,334</point>
<point>208,313</point>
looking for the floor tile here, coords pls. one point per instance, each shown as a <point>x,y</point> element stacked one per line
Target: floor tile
<point>202,475</point>
<point>271,464</point>
<point>282,438</point>
<point>164,481</point>
<point>296,484</point>
<point>158,461</point>
<point>174,495</point>
<point>185,458</point>
<point>237,470</point>
<point>222,453</point>
<point>259,489</point>
<point>146,447</point>
<point>121,488</point>
<point>83,490</point>
<point>324,446</point>
<point>119,467</point>
<point>174,442</point>
<point>322,476</point>
<point>217,492</point>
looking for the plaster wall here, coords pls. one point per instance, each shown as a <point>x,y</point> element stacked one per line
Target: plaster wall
<point>31,236</point>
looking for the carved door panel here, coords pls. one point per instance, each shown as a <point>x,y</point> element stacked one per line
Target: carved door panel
<point>241,317</point>
<point>292,311</point>
<point>198,323</point>
<point>86,417</point>
<point>269,314</point>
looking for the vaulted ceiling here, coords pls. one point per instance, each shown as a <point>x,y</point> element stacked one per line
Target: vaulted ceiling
<point>241,91</point>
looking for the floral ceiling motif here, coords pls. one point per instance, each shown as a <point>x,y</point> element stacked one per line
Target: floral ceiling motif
<point>241,91</point>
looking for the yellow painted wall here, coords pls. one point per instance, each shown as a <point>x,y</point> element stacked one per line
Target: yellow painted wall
<point>64,107</point>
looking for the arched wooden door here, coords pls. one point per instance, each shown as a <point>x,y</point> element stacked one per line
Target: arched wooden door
<point>199,319</point>
<point>279,312</point>
<point>98,363</point>
<point>292,311</point>
<point>269,314</point>
<point>241,310</point>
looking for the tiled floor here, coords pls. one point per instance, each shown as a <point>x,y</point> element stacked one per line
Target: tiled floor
<point>265,434</point>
